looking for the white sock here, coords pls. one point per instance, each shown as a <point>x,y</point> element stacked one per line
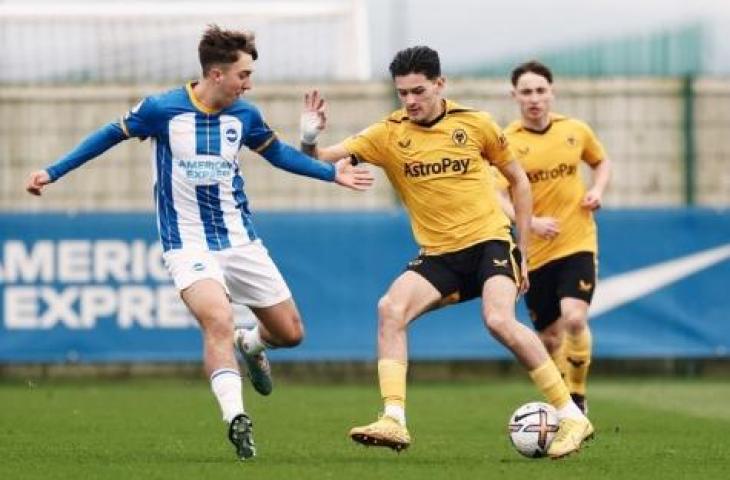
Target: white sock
<point>251,341</point>
<point>226,385</point>
<point>397,412</point>
<point>570,410</point>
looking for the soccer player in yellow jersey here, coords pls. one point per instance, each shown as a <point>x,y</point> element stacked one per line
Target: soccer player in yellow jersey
<point>437,153</point>
<point>563,246</point>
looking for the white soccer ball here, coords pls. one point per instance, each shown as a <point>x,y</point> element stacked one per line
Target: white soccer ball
<point>532,428</point>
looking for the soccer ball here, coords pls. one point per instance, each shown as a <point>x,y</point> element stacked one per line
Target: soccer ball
<point>532,428</point>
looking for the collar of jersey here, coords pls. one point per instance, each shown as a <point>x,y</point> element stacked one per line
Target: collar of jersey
<point>433,122</point>
<point>196,102</point>
<point>554,117</point>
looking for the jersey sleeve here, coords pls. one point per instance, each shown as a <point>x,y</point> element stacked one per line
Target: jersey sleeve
<point>495,147</point>
<point>593,151</point>
<point>368,145</point>
<point>288,158</point>
<point>257,135</point>
<point>94,145</point>
<point>143,120</point>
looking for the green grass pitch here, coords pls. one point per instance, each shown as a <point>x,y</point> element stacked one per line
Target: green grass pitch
<point>170,429</point>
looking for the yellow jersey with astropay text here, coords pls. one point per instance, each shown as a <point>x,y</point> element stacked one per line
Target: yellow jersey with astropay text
<point>441,173</point>
<point>551,160</point>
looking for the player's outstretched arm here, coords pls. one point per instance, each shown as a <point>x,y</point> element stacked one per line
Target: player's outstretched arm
<point>353,176</point>
<point>92,146</point>
<point>343,173</point>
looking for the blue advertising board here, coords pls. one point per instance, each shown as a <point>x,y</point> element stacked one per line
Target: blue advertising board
<point>92,288</point>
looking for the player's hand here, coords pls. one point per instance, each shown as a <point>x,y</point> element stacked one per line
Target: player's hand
<point>351,176</point>
<point>524,280</point>
<point>592,200</point>
<point>37,181</point>
<point>313,119</point>
<point>545,227</point>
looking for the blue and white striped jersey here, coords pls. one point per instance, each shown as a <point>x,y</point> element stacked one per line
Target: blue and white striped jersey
<point>198,185</point>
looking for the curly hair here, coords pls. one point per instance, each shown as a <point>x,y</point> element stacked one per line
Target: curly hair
<point>218,46</point>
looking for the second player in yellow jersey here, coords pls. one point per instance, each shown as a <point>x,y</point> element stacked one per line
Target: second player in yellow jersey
<point>552,160</point>
<point>563,244</point>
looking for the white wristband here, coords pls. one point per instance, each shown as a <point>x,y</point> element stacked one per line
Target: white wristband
<point>309,127</point>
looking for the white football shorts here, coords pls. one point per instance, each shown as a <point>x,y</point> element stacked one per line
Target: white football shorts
<point>247,272</point>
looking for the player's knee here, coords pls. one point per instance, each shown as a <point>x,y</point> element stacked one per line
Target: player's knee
<point>290,331</point>
<point>293,335</point>
<point>499,324</point>
<point>218,324</point>
<point>215,314</point>
<point>574,320</point>
<point>391,315</point>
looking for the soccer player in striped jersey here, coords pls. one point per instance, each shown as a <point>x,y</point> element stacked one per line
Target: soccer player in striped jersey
<point>563,245</point>
<point>210,246</point>
<point>437,154</point>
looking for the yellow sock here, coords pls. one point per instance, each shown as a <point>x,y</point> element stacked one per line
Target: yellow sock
<point>561,361</point>
<point>578,355</point>
<point>392,375</point>
<point>548,381</point>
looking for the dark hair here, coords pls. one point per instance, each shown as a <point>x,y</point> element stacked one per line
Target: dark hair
<point>533,66</point>
<point>218,46</point>
<point>418,59</point>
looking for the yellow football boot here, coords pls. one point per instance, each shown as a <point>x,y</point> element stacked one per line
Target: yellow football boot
<point>572,432</point>
<point>386,432</point>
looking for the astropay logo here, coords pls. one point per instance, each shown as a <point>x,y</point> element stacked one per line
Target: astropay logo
<point>561,171</point>
<point>443,166</point>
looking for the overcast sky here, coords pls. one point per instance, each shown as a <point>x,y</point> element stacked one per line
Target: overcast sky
<point>467,31</point>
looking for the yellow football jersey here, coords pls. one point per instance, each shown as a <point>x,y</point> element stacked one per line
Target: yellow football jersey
<point>551,160</point>
<point>441,173</point>
<point>500,181</point>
